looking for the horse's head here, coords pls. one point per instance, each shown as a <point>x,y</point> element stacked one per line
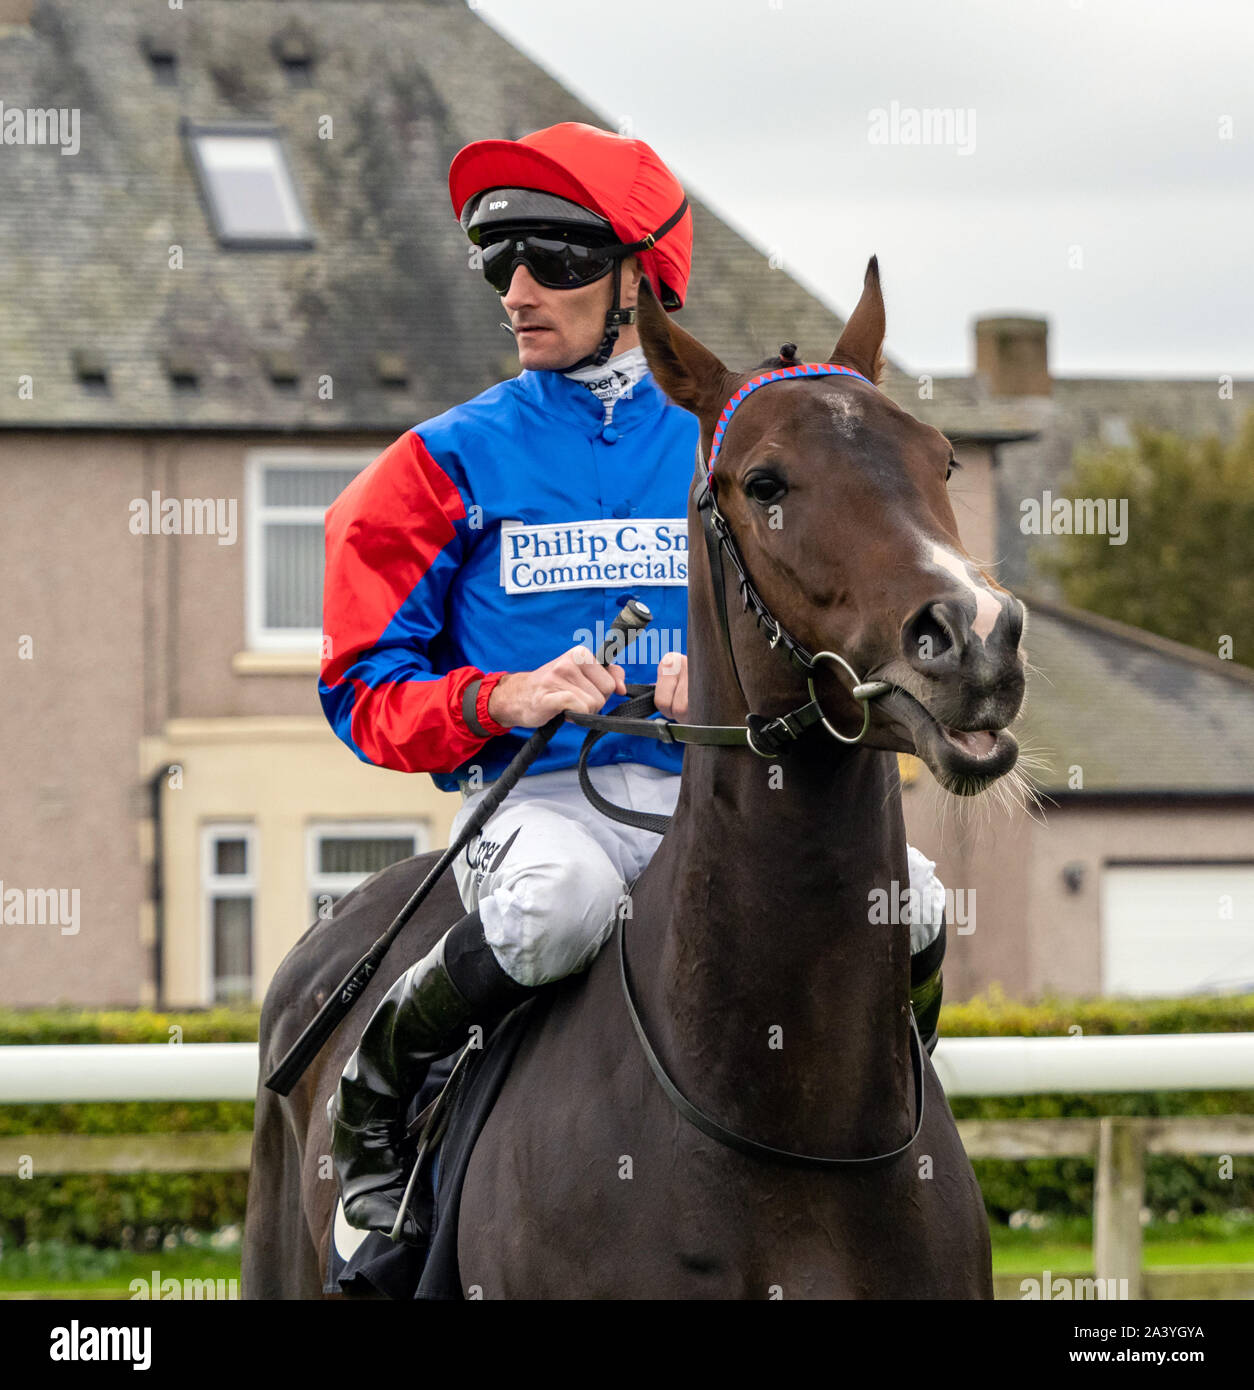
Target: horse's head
<point>837,500</point>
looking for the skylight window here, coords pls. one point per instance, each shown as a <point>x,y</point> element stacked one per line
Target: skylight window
<point>165,67</point>
<point>92,371</point>
<point>249,188</point>
<point>299,71</point>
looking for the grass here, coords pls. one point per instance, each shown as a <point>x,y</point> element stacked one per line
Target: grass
<point>58,1270</point>
<point>1067,1246</point>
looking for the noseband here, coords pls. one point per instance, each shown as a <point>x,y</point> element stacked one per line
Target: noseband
<point>766,737</point>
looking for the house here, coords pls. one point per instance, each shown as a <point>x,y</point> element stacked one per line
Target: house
<point>239,282</point>
<point>1135,874</point>
<point>231,278</point>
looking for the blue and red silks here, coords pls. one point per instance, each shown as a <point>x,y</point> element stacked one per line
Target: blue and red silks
<point>493,538</point>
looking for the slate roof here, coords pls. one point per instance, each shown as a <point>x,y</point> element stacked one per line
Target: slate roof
<point>87,238</point>
<point>1138,713</point>
<point>406,83</point>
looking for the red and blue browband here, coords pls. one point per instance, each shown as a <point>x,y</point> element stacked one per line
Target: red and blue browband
<point>802,369</point>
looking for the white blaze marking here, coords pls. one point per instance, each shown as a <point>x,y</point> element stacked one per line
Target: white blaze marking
<point>846,413</point>
<point>987,609</point>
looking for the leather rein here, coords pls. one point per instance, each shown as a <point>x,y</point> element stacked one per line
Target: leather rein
<point>765,737</point>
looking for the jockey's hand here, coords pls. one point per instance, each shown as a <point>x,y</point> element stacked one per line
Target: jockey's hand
<point>573,681</point>
<point>671,694</point>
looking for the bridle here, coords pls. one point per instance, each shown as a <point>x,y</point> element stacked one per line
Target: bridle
<point>767,738</point>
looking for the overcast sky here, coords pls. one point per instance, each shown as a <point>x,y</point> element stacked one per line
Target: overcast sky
<point>1087,176</point>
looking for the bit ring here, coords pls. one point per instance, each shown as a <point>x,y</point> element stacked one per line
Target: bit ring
<point>863,691</point>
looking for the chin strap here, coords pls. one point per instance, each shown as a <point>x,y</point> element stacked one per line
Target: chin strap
<point>615,318</point>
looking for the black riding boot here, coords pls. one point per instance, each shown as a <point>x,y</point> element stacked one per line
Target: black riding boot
<point>425,1015</point>
<point>927,985</point>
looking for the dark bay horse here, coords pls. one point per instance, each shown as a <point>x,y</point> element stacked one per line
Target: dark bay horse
<point>774,1002</point>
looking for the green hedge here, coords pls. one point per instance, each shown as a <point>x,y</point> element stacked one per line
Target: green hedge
<point>131,1211</point>
<point>1064,1186</point>
<point>142,1210</point>
<point>994,1016</point>
<point>35,1027</point>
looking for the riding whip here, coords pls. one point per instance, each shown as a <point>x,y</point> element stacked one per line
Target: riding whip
<point>633,618</point>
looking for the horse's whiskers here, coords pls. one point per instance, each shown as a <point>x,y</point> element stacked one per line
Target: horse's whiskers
<point>1032,669</point>
<point>974,803</point>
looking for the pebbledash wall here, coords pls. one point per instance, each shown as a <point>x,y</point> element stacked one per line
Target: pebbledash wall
<point>1037,924</point>
<point>138,663</point>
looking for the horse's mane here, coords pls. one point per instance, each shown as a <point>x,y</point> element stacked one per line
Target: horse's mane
<point>786,357</point>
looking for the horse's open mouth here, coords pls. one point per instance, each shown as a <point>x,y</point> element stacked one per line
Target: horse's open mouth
<point>963,762</point>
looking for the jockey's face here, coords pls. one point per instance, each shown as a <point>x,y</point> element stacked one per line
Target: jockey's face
<point>555,328</point>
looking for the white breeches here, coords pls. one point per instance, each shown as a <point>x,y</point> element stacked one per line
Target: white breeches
<point>549,871</point>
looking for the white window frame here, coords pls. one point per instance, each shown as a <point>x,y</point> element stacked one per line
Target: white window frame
<point>317,881</point>
<point>214,885</point>
<point>257,514</point>
<point>297,237</point>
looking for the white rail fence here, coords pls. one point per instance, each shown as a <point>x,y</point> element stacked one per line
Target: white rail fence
<point>966,1066</point>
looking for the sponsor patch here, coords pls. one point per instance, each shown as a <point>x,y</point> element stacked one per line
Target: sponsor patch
<point>484,856</point>
<point>599,554</point>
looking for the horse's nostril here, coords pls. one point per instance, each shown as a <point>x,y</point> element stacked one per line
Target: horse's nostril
<point>927,637</point>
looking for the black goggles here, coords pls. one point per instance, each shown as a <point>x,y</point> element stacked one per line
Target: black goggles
<point>557,265</point>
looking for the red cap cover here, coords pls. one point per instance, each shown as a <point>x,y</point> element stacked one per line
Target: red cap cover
<point>622,179</point>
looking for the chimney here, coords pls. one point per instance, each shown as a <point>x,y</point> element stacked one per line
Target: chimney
<point>16,13</point>
<point>1011,357</point>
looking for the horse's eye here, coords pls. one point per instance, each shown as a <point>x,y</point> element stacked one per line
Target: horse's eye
<point>765,487</point>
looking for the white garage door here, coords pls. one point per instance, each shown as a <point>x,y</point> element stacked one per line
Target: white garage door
<point>1177,929</point>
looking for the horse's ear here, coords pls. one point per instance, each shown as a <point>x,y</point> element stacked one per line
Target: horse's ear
<point>686,370</point>
<point>861,344</point>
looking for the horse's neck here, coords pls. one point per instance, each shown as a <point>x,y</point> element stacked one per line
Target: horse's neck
<point>779,1003</point>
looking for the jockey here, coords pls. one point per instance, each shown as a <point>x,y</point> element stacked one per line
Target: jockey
<point>511,528</point>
